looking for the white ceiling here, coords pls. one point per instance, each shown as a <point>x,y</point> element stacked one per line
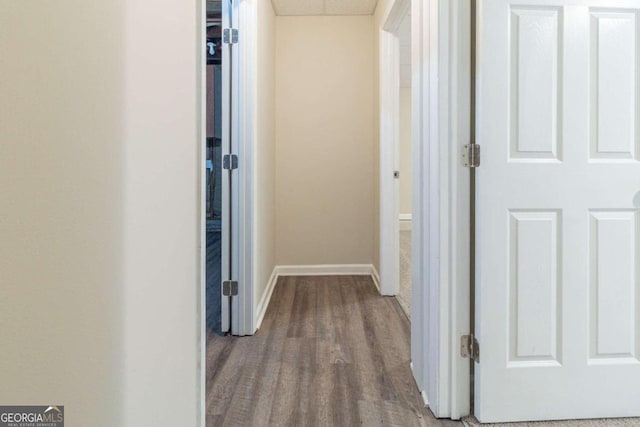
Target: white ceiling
<point>324,7</point>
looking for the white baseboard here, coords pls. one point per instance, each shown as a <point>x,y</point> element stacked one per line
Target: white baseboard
<point>376,277</point>
<point>423,394</point>
<point>405,222</point>
<point>424,398</point>
<point>266,298</point>
<point>325,270</point>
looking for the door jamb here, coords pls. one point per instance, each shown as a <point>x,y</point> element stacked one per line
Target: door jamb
<point>389,147</point>
<point>246,22</point>
<point>243,92</point>
<point>441,206</point>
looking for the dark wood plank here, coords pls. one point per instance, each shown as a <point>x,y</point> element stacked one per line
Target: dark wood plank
<point>330,352</point>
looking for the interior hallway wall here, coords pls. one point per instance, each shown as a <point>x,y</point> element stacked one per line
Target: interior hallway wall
<point>100,142</point>
<point>264,177</point>
<point>61,211</point>
<point>406,162</point>
<point>163,213</point>
<point>325,140</point>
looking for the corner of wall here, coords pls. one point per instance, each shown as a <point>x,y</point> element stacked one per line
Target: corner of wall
<point>264,222</point>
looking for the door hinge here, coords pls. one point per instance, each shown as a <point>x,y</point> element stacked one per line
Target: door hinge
<point>229,288</point>
<point>229,162</point>
<point>230,36</point>
<point>471,155</point>
<point>470,348</point>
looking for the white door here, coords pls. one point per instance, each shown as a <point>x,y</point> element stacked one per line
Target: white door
<point>231,305</point>
<point>558,279</point>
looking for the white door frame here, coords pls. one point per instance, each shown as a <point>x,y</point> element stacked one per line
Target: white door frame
<point>242,93</point>
<point>237,214</point>
<point>246,21</point>
<point>389,147</point>
<point>441,192</point>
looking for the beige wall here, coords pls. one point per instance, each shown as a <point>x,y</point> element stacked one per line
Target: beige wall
<point>264,176</point>
<point>61,153</point>
<point>376,144</point>
<point>99,231</point>
<point>325,140</point>
<point>164,133</point>
<point>405,151</point>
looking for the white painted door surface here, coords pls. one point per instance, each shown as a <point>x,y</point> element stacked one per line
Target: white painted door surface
<point>558,273</point>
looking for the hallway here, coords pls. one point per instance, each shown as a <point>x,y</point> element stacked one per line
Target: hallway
<point>331,351</point>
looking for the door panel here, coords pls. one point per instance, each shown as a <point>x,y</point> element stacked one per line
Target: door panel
<point>228,270</point>
<point>558,240</point>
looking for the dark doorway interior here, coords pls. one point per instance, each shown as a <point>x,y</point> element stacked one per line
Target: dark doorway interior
<point>214,165</point>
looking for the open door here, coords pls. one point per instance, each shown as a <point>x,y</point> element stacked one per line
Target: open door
<point>558,234</point>
<point>229,165</point>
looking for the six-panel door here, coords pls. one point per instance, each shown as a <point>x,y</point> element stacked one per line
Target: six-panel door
<point>558,244</point>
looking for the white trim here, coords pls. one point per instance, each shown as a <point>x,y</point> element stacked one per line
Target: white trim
<point>245,113</point>
<point>440,219</point>
<point>236,91</point>
<point>406,222</point>
<point>202,132</point>
<point>389,86</point>
<point>459,200</point>
<point>423,394</point>
<point>425,399</point>
<point>326,270</point>
<point>261,309</point>
<point>225,235</point>
<point>376,277</point>
<point>399,10</point>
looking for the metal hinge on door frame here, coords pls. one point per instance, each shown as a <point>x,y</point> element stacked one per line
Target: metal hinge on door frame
<point>229,162</point>
<point>470,348</point>
<point>471,155</point>
<point>229,288</point>
<point>230,36</point>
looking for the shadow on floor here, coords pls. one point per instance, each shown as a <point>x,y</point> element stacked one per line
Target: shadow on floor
<point>214,277</point>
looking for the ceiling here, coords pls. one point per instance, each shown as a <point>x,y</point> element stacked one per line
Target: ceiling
<point>324,7</point>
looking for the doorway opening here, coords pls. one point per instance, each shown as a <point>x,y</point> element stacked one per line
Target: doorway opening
<point>213,167</point>
<point>307,88</point>
<point>288,107</point>
<point>405,175</point>
<point>220,171</point>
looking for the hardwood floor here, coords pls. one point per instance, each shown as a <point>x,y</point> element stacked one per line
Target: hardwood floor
<point>404,297</point>
<point>330,352</point>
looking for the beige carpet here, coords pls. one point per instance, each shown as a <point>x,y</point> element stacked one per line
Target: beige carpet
<point>404,298</point>
<point>621,422</point>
